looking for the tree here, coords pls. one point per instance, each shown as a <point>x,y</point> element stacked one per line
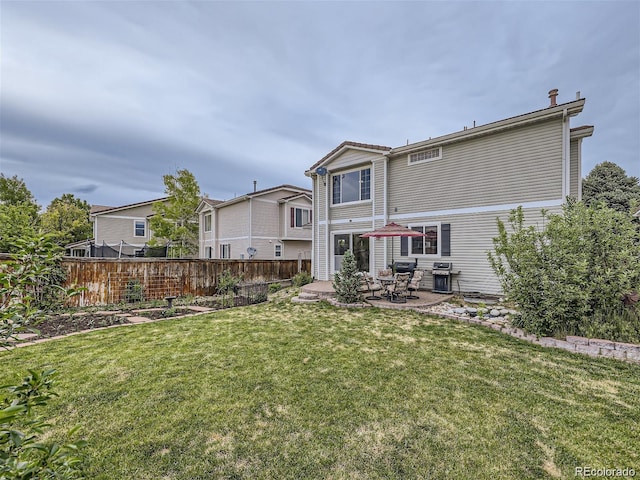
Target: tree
<point>609,183</point>
<point>13,191</point>
<point>67,219</point>
<point>346,282</point>
<point>571,276</point>
<point>175,220</point>
<point>18,213</point>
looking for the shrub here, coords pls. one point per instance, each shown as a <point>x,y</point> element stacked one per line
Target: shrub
<point>570,277</point>
<point>29,283</point>
<point>22,454</point>
<point>301,278</point>
<point>346,282</point>
<point>274,287</point>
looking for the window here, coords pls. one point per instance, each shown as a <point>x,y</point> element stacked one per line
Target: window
<point>300,217</point>
<point>225,250</point>
<point>208,252</point>
<point>278,251</point>
<point>352,186</point>
<point>207,222</point>
<point>427,245</point>
<point>139,228</point>
<point>425,155</point>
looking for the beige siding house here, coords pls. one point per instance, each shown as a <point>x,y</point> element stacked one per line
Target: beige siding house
<point>124,229</point>
<point>270,224</point>
<point>451,188</point>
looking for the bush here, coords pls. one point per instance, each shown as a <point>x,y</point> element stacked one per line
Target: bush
<point>346,282</point>
<point>274,287</point>
<point>29,283</point>
<point>571,276</point>
<point>22,454</point>
<point>301,279</point>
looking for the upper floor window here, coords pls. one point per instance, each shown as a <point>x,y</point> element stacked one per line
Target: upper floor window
<point>139,228</point>
<point>207,222</point>
<point>300,217</point>
<point>425,155</point>
<point>352,186</point>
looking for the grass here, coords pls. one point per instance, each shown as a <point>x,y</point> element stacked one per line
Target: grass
<point>281,390</point>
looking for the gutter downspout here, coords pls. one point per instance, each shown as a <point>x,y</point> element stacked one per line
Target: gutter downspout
<point>326,229</point>
<point>250,224</point>
<point>565,155</point>
<point>385,211</point>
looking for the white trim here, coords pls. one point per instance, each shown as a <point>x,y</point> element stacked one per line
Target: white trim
<point>122,217</point>
<point>483,209</point>
<point>457,211</point>
<point>145,226</point>
<point>246,237</point>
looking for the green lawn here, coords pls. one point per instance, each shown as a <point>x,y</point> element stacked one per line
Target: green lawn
<point>310,391</point>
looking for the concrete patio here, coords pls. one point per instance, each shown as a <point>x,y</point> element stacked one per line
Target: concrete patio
<point>324,289</point>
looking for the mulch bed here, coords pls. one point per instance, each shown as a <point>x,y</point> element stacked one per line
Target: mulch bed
<point>56,325</point>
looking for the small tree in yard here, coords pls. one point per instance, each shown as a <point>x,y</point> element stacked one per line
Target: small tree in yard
<point>346,282</point>
<point>176,220</point>
<point>571,276</point>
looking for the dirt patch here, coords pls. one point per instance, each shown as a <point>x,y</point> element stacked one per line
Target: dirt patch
<point>57,325</point>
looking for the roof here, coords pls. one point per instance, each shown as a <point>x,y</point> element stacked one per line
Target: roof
<point>297,195</point>
<point>99,208</point>
<point>346,145</point>
<point>124,207</point>
<point>258,193</point>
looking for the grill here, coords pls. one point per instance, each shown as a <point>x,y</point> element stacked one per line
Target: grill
<point>405,267</point>
<point>442,277</point>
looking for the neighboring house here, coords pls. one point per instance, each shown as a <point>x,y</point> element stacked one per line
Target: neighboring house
<point>270,224</point>
<point>124,229</point>
<point>452,188</point>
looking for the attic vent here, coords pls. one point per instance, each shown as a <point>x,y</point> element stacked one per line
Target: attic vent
<point>426,155</point>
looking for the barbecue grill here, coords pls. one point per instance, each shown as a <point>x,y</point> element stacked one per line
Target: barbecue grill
<point>442,277</point>
<point>405,267</point>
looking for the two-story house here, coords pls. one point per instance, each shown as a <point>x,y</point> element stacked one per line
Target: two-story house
<point>270,224</point>
<point>451,188</point>
<point>117,231</point>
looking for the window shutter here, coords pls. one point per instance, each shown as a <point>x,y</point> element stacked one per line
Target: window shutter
<point>404,246</point>
<point>293,217</point>
<point>445,232</point>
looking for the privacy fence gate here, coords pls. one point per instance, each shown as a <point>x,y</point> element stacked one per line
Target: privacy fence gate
<point>110,281</point>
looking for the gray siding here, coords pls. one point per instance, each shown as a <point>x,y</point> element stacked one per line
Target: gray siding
<point>515,166</point>
<point>574,168</point>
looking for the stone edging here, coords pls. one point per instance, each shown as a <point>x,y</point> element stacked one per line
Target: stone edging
<point>593,347</point>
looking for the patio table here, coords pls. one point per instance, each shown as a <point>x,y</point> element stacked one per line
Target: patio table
<point>386,282</point>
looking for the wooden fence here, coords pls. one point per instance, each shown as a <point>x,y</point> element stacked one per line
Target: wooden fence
<point>108,281</point>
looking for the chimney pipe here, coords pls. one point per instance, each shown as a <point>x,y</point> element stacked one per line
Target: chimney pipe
<point>552,95</point>
<point>255,185</point>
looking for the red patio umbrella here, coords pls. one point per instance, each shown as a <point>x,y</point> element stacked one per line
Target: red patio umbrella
<point>392,230</point>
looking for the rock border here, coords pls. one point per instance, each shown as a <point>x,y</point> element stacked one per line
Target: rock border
<point>594,347</point>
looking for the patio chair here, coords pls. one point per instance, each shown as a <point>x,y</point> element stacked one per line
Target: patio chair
<point>385,273</point>
<point>372,288</point>
<point>398,290</point>
<point>414,284</point>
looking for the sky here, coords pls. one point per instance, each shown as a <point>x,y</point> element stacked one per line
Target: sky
<point>103,98</point>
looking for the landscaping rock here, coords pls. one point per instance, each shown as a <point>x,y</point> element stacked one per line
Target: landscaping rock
<point>460,311</point>
<point>494,313</point>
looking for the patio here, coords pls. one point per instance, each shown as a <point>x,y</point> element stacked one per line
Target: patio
<point>324,289</point>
